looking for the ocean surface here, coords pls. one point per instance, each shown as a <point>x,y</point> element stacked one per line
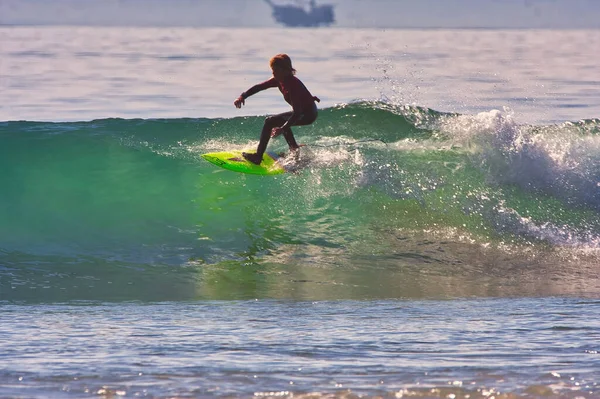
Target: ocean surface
<point>438,236</point>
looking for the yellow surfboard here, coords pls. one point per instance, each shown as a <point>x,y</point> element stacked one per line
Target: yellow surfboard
<point>233,160</point>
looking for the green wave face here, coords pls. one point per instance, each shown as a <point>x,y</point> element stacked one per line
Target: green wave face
<point>373,183</point>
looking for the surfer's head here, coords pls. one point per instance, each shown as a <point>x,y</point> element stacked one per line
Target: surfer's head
<point>281,65</point>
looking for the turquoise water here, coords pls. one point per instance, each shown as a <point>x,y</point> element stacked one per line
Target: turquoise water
<point>398,187</point>
<point>438,236</point>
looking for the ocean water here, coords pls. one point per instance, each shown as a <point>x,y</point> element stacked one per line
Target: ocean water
<point>439,235</point>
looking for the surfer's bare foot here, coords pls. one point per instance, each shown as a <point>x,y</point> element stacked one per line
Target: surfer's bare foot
<point>254,158</point>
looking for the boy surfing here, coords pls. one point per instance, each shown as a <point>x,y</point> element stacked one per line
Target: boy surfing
<point>304,108</point>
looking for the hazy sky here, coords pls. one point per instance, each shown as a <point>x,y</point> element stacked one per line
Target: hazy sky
<point>349,13</point>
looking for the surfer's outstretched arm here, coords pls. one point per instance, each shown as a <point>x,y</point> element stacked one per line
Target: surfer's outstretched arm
<point>241,100</point>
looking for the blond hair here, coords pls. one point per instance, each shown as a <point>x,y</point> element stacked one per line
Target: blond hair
<point>282,61</point>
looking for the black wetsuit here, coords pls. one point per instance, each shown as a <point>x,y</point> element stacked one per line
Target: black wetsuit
<point>304,110</point>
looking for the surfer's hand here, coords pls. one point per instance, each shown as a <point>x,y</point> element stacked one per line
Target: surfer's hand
<point>276,131</point>
<point>239,102</point>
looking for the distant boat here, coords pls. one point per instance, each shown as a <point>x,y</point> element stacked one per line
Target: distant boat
<point>295,15</point>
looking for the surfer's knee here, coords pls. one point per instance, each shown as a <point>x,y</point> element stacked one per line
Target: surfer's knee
<point>270,121</point>
<point>274,121</point>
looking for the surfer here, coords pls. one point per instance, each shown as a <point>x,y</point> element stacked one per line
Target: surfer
<point>304,109</point>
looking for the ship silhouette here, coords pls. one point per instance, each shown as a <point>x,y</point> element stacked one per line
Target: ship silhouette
<point>297,15</point>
